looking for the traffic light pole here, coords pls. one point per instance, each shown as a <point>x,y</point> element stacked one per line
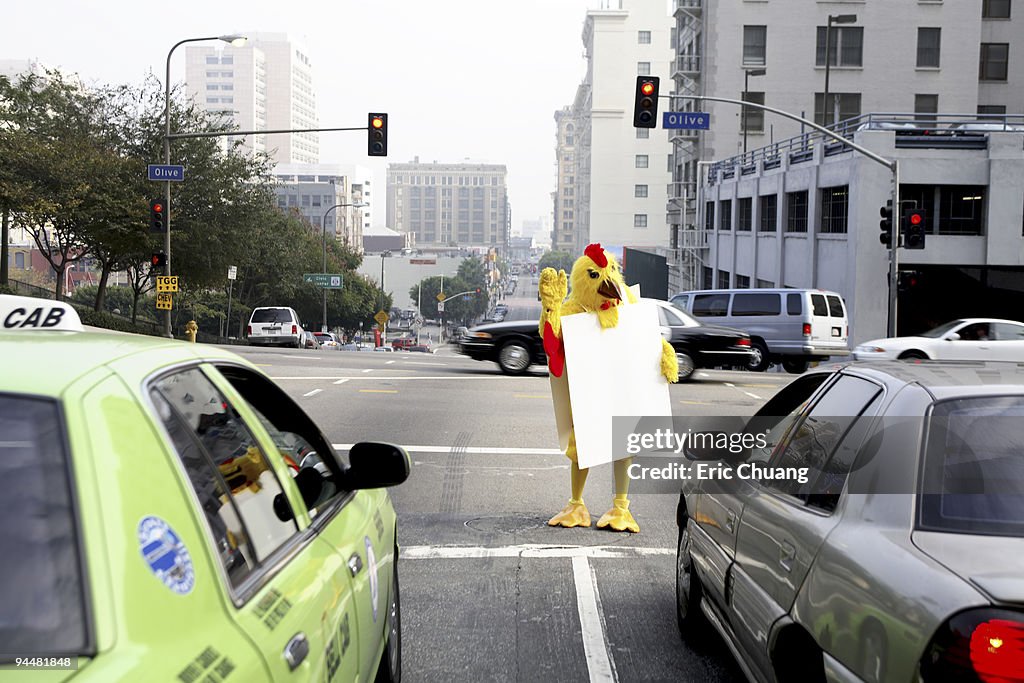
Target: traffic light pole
<point>888,163</point>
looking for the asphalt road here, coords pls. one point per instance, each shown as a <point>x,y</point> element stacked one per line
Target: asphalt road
<point>489,591</point>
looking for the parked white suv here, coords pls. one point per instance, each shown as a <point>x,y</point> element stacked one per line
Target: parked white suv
<point>789,326</point>
<point>275,326</point>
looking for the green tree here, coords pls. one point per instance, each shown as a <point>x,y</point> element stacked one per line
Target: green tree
<point>559,260</point>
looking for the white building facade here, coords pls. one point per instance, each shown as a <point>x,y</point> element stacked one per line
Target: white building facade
<point>266,84</point>
<point>311,190</point>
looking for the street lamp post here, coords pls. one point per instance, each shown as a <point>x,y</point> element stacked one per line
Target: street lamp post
<point>323,223</point>
<point>747,73</point>
<point>236,41</point>
<point>832,19</point>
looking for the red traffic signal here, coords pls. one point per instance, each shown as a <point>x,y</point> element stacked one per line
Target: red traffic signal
<point>912,224</point>
<point>158,260</point>
<point>377,135</point>
<point>157,220</point>
<point>645,106</point>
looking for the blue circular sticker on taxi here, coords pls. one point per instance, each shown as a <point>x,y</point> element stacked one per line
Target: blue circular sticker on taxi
<point>166,555</point>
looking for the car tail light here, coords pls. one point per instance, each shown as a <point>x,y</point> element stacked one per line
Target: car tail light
<point>807,329</point>
<point>248,330</point>
<point>295,329</point>
<point>743,341</point>
<point>984,645</point>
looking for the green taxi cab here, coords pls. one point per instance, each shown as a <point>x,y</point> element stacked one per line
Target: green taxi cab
<point>168,513</point>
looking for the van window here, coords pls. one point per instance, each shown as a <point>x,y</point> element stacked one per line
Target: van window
<point>680,302</point>
<point>271,315</point>
<point>756,304</point>
<point>794,304</point>
<point>710,305</point>
<point>818,305</point>
<point>835,306</point>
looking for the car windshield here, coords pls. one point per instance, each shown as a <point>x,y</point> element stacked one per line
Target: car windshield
<point>271,315</point>
<point>42,597</point>
<point>941,330</point>
<point>973,478</point>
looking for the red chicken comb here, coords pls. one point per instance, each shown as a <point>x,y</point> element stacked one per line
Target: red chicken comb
<point>596,254</point>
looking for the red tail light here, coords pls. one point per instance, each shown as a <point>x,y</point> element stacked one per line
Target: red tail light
<point>984,645</point>
<point>807,329</point>
<point>295,329</point>
<point>248,330</point>
<point>743,342</point>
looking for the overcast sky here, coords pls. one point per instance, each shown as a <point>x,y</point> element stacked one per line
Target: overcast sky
<point>477,79</point>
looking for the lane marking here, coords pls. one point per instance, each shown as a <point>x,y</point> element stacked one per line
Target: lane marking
<point>368,370</point>
<point>341,381</point>
<point>303,357</point>
<point>264,365</point>
<point>388,378</point>
<point>696,403</point>
<point>418,362</point>
<point>531,550</point>
<point>595,638</point>
<point>312,393</point>
<point>388,362</point>
<point>475,450</point>
<point>378,391</point>
<point>751,395</point>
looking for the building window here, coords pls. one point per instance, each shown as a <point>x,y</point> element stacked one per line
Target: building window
<point>639,220</point>
<point>641,161</point>
<point>995,9</point>
<point>725,214</point>
<point>709,215</point>
<point>925,107</point>
<point>834,209</point>
<point>849,106</point>
<point>994,59</point>
<point>755,41</point>
<point>796,211</point>
<point>643,37</point>
<point>765,284</point>
<point>928,42</point>
<point>846,46</point>
<point>643,133</point>
<point>753,118</point>
<point>949,209</point>
<point>769,204</point>
<point>742,282</point>
<point>988,111</point>
<point>640,191</point>
<point>723,282</point>
<point>643,68</point>
<point>743,218</point>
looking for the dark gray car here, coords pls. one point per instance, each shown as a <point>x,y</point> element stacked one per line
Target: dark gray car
<point>900,558</point>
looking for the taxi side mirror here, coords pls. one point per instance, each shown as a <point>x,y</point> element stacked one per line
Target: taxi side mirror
<point>374,465</point>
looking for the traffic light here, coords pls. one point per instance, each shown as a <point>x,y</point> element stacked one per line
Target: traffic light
<point>377,135</point>
<point>157,216</point>
<point>645,108</point>
<point>912,227</point>
<point>159,260</point>
<point>885,225</point>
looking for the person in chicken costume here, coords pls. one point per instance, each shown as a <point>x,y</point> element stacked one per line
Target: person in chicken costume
<point>598,288</point>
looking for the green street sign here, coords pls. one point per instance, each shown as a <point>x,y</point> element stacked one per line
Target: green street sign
<point>325,280</point>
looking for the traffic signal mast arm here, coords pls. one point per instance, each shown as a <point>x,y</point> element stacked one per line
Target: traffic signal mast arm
<point>216,134</point>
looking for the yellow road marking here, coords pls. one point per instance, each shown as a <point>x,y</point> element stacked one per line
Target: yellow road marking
<point>264,365</point>
<point>378,391</point>
<point>696,403</point>
<point>760,386</point>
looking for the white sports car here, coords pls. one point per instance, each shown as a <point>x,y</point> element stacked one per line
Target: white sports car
<point>977,339</point>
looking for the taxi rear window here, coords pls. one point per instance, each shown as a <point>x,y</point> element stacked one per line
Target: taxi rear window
<point>42,599</point>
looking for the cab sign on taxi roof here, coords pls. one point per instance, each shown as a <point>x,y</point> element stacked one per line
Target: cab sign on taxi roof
<point>19,313</point>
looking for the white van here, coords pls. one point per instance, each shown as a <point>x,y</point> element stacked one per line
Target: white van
<point>793,327</point>
<point>275,326</point>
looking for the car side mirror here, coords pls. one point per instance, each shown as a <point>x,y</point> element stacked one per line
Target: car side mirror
<point>374,465</point>
<point>952,336</point>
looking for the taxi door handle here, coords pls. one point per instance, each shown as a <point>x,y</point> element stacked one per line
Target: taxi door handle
<point>296,650</point>
<point>355,563</point>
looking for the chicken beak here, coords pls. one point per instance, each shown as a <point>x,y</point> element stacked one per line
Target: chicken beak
<point>608,290</point>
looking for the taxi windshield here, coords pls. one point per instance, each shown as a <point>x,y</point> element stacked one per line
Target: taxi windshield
<point>42,599</point>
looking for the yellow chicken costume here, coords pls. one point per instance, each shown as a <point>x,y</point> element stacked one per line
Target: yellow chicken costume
<point>597,288</point>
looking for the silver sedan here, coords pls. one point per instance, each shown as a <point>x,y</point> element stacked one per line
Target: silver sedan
<point>898,557</point>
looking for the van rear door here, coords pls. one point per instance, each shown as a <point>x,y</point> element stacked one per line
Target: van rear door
<point>828,319</point>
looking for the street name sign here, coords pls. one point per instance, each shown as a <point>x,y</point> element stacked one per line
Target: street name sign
<point>687,120</point>
<point>166,172</point>
<point>325,280</point>
<point>167,283</point>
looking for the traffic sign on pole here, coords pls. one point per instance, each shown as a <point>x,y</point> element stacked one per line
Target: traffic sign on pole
<point>440,307</point>
<point>163,301</point>
<point>232,272</point>
<point>687,120</point>
<point>381,318</point>
<point>164,172</point>
<point>166,283</point>
<point>325,280</point>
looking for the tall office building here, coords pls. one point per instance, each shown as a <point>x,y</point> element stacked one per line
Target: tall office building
<point>267,84</point>
<point>620,172</point>
<point>563,224</point>
<point>446,205</point>
<point>325,195</point>
<point>920,58</point>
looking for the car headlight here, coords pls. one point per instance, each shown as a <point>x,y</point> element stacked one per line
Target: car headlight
<point>864,348</point>
<point>479,335</point>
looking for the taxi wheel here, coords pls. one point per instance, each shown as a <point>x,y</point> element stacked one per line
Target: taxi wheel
<point>390,669</point>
